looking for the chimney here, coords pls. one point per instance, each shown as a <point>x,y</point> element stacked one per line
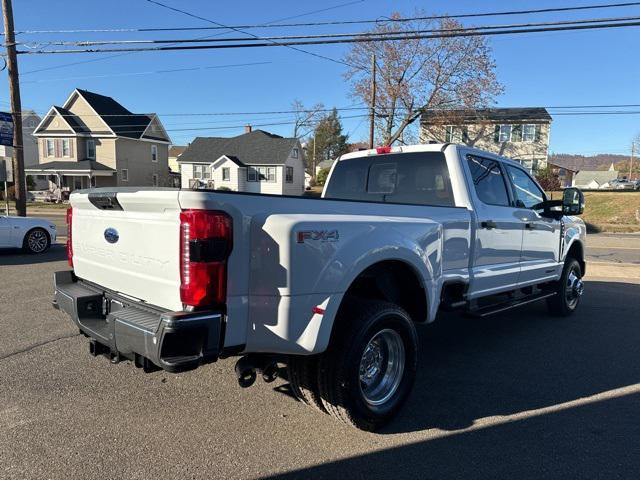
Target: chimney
<point>247,128</point>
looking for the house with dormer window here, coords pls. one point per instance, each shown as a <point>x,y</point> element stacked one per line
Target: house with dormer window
<point>93,141</point>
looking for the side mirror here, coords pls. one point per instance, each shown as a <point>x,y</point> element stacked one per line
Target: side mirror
<point>572,201</point>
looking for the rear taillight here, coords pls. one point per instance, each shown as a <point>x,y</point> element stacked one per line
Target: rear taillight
<point>206,239</point>
<point>69,230</point>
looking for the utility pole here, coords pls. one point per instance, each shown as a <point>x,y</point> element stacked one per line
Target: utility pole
<point>372,114</point>
<point>19,182</point>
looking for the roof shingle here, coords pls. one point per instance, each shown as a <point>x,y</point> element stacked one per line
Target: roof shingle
<point>254,148</point>
<point>123,122</point>
<point>486,114</point>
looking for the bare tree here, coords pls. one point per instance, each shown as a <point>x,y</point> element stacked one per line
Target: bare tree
<point>421,74</point>
<point>306,119</point>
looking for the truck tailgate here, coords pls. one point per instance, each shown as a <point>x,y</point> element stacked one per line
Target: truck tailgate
<point>133,248</point>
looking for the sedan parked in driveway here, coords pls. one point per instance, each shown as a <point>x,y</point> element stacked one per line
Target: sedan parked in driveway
<point>34,235</point>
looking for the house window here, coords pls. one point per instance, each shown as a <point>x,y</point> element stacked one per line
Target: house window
<point>51,148</point>
<point>454,134</point>
<point>154,153</point>
<point>528,133</point>
<point>124,174</point>
<point>504,134</point>
<point>154,179</point>
<point>66,147</point>
<point>288,175</point>
<point>201,171</point>
<point>91,149</point>
<point>226,174</point>
<point>294,154</point>
<point>261,174</point>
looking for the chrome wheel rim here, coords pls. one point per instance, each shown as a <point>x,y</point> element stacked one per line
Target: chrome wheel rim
<point>37,241</point>
<point>573,289</point>
<point>382,367</point>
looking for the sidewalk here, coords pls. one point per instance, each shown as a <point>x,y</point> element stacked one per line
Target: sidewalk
<point>613,270</point>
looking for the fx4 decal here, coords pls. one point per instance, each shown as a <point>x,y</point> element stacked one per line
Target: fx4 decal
<point>318,235</point>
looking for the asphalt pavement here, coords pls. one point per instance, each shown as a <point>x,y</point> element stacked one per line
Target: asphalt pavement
<point>518,395</point>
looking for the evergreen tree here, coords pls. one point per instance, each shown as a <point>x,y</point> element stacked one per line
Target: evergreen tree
<point>329,140</point>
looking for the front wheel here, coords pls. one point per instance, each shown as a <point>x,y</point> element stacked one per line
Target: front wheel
<point>36,241</point>
<point>569,290</point>
<point>368,370</point>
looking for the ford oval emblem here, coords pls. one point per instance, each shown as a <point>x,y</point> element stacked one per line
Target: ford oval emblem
<point>111,235</point>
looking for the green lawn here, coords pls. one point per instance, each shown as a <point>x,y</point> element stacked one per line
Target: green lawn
<point>611,211</point>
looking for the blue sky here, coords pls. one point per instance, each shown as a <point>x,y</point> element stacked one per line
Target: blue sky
<point>545,69</point>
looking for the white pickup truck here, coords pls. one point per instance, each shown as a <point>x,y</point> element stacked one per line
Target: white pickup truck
<point>334,287</point>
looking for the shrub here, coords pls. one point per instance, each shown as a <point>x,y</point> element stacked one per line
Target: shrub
<point>321,178</point>
<point>547,179</point>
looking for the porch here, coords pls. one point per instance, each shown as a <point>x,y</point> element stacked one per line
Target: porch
<point>70,176</point>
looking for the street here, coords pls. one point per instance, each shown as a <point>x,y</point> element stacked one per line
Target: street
<point>519,395</point>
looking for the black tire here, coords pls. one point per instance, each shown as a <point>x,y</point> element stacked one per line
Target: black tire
<point>562,304</point>
<point>302,373</point>
<point>36,241</point>
<point>339,376</point>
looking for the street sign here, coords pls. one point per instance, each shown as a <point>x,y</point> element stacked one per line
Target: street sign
<point>6,129</point>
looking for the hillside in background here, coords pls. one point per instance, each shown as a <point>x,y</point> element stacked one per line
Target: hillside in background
<point>596,162</point>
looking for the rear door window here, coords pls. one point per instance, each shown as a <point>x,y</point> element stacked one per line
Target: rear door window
<point>488,181</point>
<point>420,178</point>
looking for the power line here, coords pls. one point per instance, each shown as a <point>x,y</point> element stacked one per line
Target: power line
<point>340,22</point>
<point>184,12</point>
<point>364,116</point>
<point>70,64</point>
<point>362,39</point>
<point>367,35</point>
<point>153,72</point>
<point>348,108</point>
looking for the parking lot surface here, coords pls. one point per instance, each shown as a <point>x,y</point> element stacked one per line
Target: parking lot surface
<point>519,395</point>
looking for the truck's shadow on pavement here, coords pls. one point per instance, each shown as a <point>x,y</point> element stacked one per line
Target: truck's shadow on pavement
<point>15,256</point>
<point>520,361</point>
<point>471,368</point>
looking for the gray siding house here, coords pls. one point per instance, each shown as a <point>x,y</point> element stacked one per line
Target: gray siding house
<point>93,141</point>
<point>519,133</point>
<point>30,121</point>
<point>256,162</point>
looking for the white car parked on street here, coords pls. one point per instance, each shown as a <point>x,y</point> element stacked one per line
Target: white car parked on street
<point>34,235</point>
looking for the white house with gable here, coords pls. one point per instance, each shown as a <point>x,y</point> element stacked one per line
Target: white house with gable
<point>255,162</point>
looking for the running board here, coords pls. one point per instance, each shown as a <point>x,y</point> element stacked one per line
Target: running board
<point>502,307</point>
